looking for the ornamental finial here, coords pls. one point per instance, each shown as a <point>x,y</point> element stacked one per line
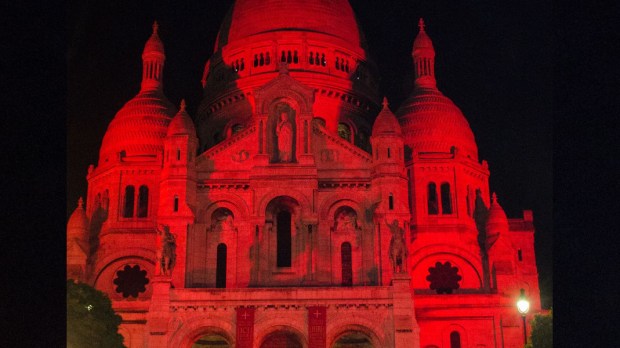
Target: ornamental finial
<point>80,203</point>
<point>182,105</point>
<point>385,103</point>
<point>155,27</point>
<point>493,198</point>
<point>421,24</point>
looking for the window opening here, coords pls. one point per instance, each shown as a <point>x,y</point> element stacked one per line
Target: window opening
<point>175,208</point>
<point>446,200</point>
<point>220,273</point>
<point>129,201</point>
<point>455,340</point>
<point>520,255</point>
<point>433,208</point>
<point>347,265</point>
<point>284,239</point>
<point>391,201</point>
<point>143,201</point>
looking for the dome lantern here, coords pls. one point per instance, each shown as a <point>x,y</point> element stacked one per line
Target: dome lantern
<point>423,54</point>
<point>153,58</point>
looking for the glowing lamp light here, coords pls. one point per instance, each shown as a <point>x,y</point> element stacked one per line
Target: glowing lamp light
<point>89,307</point>
<point>523,306</point>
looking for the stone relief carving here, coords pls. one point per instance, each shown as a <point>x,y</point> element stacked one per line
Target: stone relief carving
<point>284,133</point>
<point>167,253</point>
<point>398,248</point>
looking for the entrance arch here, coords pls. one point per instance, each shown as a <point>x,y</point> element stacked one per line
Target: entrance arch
<point>353,339</point>
<point>281,339</point>
<point>211,340</point>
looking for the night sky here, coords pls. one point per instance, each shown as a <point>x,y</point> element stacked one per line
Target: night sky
<point>493,59</point>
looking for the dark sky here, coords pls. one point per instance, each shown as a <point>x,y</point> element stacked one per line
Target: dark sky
<point>493,59</point>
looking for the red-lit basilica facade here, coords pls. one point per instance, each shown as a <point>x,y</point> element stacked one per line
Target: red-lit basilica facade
<point>296,209</point>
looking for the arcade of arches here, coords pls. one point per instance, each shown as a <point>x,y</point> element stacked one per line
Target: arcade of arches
<point>295,197</point>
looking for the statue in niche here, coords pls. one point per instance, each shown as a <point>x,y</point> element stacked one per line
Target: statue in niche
<point>224,222</point>
<point>346,221</point>
<point>398,248</point>
<point>284,133</point>
<point>167,253</point>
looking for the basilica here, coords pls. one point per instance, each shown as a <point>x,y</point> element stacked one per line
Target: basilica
<point>297,207</point>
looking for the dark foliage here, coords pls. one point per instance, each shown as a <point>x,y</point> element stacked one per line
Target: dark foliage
<point>91,321</point>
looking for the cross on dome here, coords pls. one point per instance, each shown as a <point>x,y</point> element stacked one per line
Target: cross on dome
<point>493,198</point>
<point>385,102</point>
<point>155,27</point>
<point>421,24</point>
<point>80,203</point>
<point>182,104</point>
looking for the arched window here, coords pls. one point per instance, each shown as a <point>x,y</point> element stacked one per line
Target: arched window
<point>433,208</point>
<point>143,201</point>
<point>347,264</point>
<point>176,203</point>
<point>455,339</point>
<point>344,131</point>
<point>284,239</point>
<point>446,200</point>
<point>129,201</point>
<point>220,273</point>
<point>178,154</point>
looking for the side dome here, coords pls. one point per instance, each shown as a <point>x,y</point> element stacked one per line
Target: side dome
<point>78,220</point>
<point>386,122</point>
<point>181,124</point>
<point>139,127</point>
<point>430,121</point>
<point>497,222</point>
<point>332,17</point>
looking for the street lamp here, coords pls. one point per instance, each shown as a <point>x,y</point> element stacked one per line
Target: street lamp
<point>523,306</point>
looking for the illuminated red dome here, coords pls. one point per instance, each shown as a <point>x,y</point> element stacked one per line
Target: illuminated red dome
<point>181,124</point>
<point>78,220</point>
<point>386,122</point>
<point>497,222</point>
<point>430,121</point>
<point>141,124</point>
<point>331,17</point>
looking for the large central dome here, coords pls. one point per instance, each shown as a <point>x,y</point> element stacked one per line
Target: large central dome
<point>252,17</point>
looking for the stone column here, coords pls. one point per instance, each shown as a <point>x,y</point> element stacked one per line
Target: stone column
<point>406,329</point>
<point>159,313</point>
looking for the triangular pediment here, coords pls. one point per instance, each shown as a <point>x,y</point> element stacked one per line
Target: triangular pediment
<point>284,86</point>
<point>333,152</point>
<point>234,153</point>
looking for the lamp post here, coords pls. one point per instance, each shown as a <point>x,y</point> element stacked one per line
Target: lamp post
<point>523,306</point>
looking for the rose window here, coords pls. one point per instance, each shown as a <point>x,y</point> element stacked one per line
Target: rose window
<point>131,281</point>
<point>443,277</point>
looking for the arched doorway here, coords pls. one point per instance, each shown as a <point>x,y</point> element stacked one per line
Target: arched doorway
<point>281,339</point>
<point>211,341</point>
<point>353,339</point>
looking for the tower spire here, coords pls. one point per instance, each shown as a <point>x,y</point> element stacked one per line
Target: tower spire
<point>424,58</point>
<point>153,58</point>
